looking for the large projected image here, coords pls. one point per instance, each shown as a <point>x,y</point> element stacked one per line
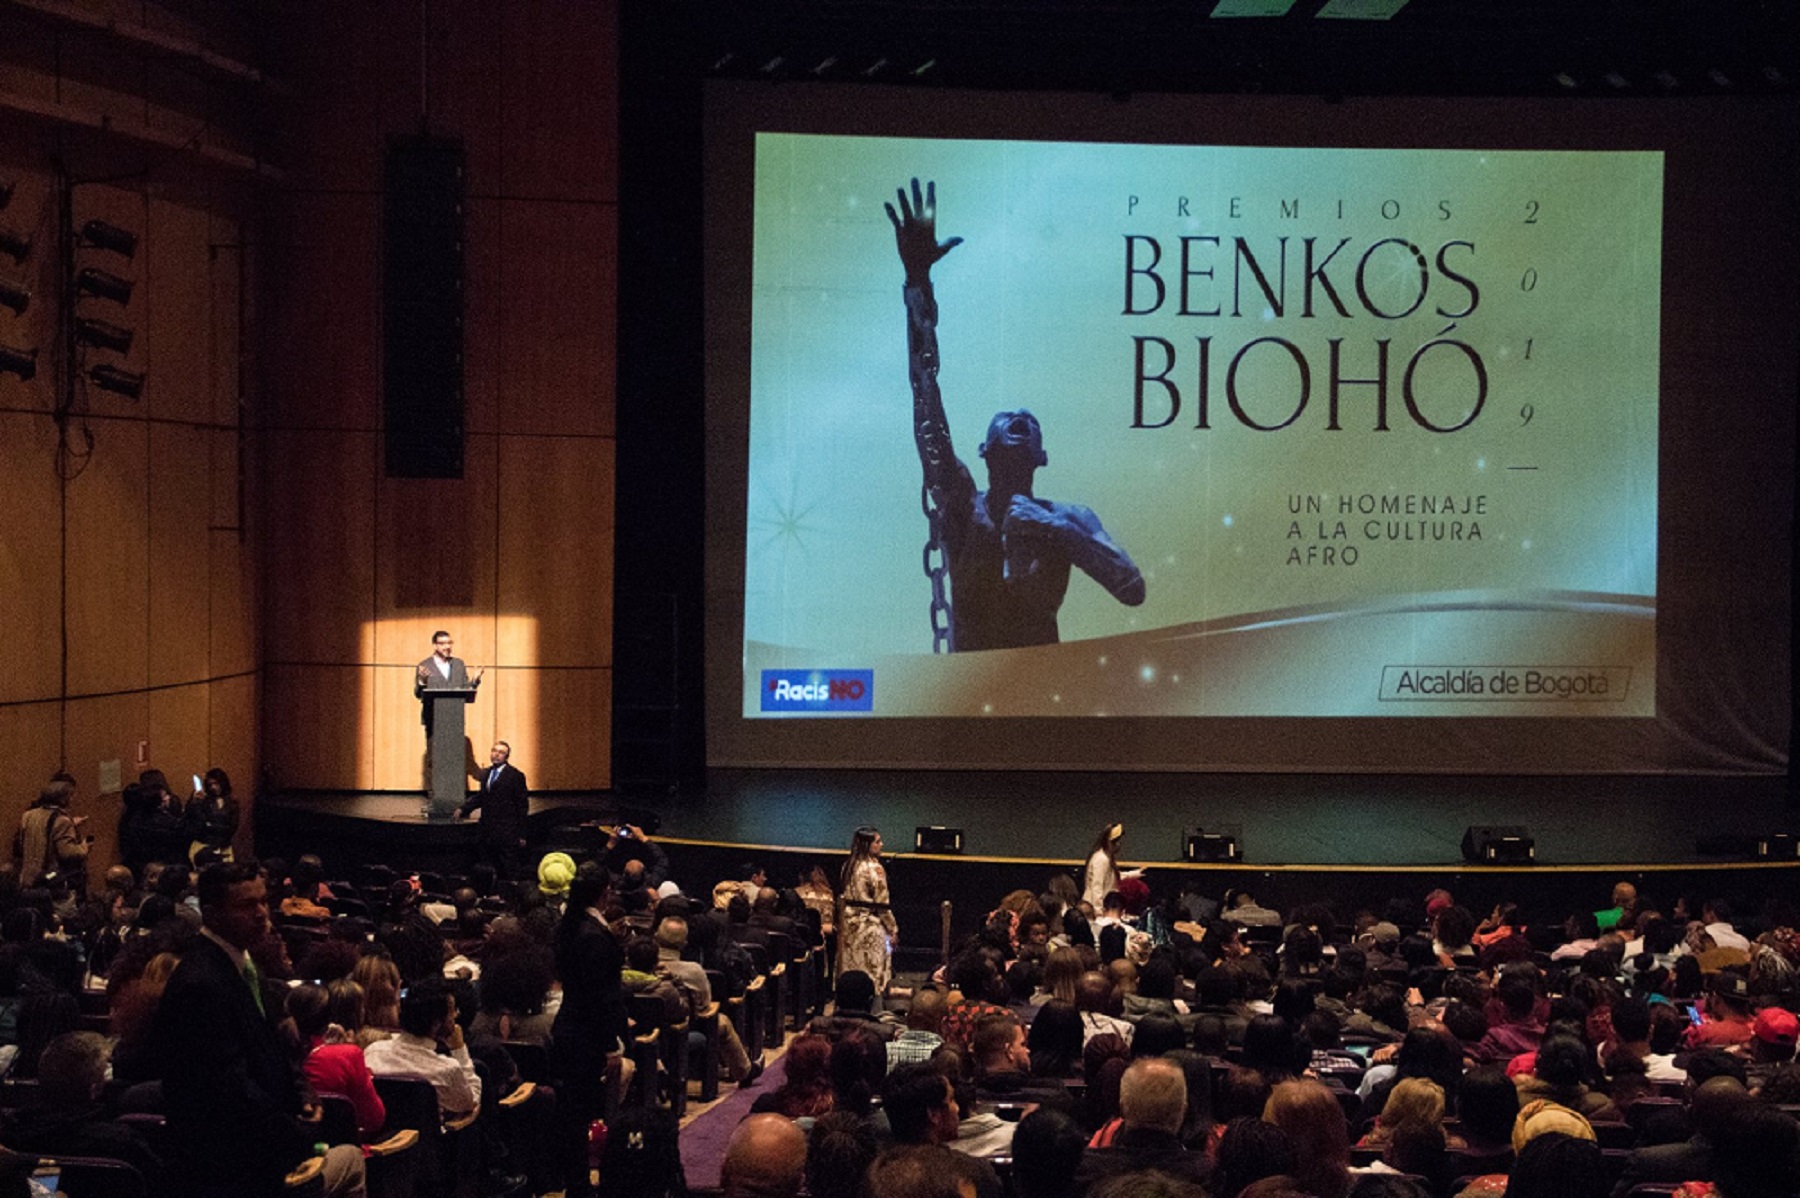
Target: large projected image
<point>1054,429</point>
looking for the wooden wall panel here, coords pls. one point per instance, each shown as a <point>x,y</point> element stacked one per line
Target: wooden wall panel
<point>484,363</point>
<point>231,623</point>
<point>318,736</point>
<point>559,72</point>
<point>109,562</point>
<point>318,551</point>
<point>565,743</point>
<point>324,317</point>
<point>30,744</point>
<point>30,559</point>
<point>226,264</point>
<point>466,86</point>
<point>232,727</point>
<point>180,743</point>
<point>435,562</point>
<point>175,276</point>
<point>558,281</point>
<point>104,729</point>
<point>556,548</point>
<point>179,580</point>
<point>129,211</point>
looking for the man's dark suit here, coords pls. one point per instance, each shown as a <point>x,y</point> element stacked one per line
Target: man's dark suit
<point>429,678</point>
<point>230,1094</point>
<point>503,801</point>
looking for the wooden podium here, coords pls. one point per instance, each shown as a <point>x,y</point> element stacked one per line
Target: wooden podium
<point>444,742</point>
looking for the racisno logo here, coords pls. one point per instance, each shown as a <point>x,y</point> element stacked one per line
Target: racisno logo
<point>818,691</point>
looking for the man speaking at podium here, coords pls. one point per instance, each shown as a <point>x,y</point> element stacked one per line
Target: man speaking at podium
<point>441,671</point>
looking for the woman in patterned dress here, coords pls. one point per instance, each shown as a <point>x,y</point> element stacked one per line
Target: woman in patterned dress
<point>866,929</point>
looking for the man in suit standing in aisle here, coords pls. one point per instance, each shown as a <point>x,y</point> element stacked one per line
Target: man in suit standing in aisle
<point>239,1115</point>
<point>503,801</point>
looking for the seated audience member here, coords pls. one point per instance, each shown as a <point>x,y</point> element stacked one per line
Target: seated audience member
<point>855,1006</point>
<point>839,1150</point>
<point>1242,909</point>
<point>68,1119</point>
<point>920,1104</point>
<point>1725,1015</point>
<point>919,1038</point>
<point>428,1019</point>
<point>642,1156</point>
<point>976,992</point>
<point>379,978</point>
<point>1562,1064</point>
<point>332,1064</point>
<point>1773,1033</point>
<point>1218,994</point>
<point>1003,1066</point>
<point>1156,1035</point>
<point>1310,1115</point>
<point>806,1090</point>
<point>1715,1102</point>
<point>858,1066</point>
<point>1272,1049</point>
<point>1103,1063</point>
<point>1517,1028</point>
<point>1554,1165</point>
<point>1094,998</point>
<point>929,1171</point>
<point>671,940</point>
<point>515,992</point>
<point>1413,1102</point>
<point>1487,1107</point>
<point>1198,1131</point>
<point>639,978</point>
<point>1250,1150</point>
<point>1240,1094</point>
<point>765,1158</point>
<point>1754,1157</point>
<point>1152,1105</point>
<point>1055,1041</point>
<point>1046,1153</point>
<point>1536,1120</point>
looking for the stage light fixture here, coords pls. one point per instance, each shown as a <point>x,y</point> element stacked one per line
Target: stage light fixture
<point>773,65</point>
<point>1616,81</point>
<point>100,235</point>
<point>129,383</point>
<point>6,191</point>
<point>14,244</point>
<point>1666,80</point>
<point>105,284</point>
<point>104,334</point>
<point>924,68</point>
<point>14,295</point>
<point>1565,81</point>
<point>1719,79</point>
<point>875,68</point>
<point>22,362</point>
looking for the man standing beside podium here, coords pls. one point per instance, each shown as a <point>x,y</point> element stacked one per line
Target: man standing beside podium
<point>503,801</point>
<point>440,671</point>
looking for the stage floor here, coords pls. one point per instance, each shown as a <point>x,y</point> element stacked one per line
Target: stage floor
<point>1382,822</point>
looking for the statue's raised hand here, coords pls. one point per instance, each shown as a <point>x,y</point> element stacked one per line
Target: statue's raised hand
<point>915,232</point>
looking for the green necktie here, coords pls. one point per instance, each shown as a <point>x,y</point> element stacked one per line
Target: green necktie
<point>253,976</point>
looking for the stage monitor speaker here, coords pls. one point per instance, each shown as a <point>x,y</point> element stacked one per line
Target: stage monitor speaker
<point>1197,844</point>
<point>1777,846</point>
<point>1498,844</point>
<point>422,308</point>
<point>936,839</point>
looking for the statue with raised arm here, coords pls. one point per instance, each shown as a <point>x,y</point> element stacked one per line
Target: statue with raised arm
<point>1008,551</point>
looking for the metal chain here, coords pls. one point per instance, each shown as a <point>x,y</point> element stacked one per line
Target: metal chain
<point>939,575</point>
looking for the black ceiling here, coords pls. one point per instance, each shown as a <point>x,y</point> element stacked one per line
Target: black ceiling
<point>1434,47</point>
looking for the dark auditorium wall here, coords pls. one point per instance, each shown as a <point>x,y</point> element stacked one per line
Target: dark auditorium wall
<point>127,582</point>
<point>515,559</point>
